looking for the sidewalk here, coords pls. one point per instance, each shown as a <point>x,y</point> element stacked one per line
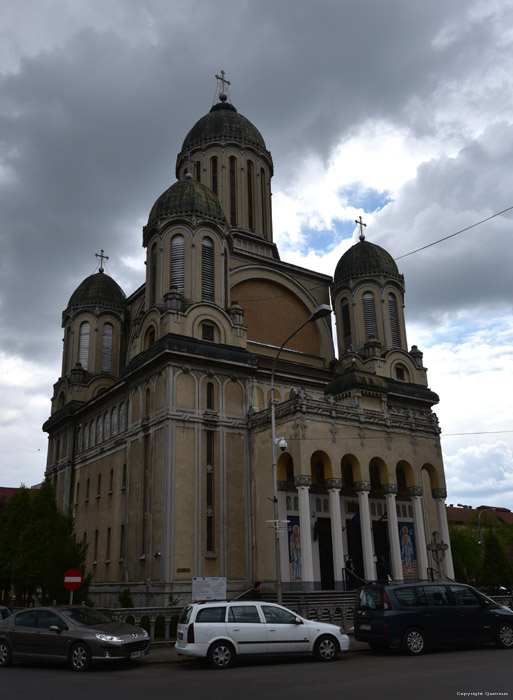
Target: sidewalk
<point>165,653</point>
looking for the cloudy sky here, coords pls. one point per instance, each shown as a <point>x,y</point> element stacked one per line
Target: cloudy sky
<point>398,111</point>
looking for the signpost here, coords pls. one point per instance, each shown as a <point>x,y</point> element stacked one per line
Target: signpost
<point>72,580</point>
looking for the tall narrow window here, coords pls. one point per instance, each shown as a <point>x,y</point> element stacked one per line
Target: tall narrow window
<point>346,325</point>
<point>177,263</point>
<point>108,331</point>
<point>369,315</point>
<point>233,191</point>
<point>197,171</point>
<point>213,175</point>
<point>207,269</point>
<point>153,275</point>
<point>250,194</point>
<point>394,320</point>
<point>210,396</point>
<point>107,548</point>
<point>95,555</point>
<point>83,344</point>
<point>122,543</point>
<point>263,197</point>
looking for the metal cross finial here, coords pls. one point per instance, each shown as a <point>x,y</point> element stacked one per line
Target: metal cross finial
<point>102,258</point>
<point>223,92</point>
<point>360,223</point>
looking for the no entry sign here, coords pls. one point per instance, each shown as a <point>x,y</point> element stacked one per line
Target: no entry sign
<point>72,579</point>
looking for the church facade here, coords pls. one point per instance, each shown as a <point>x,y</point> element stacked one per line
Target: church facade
<point>160,434</point>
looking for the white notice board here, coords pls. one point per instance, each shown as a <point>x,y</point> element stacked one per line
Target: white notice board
<point>209,588</point>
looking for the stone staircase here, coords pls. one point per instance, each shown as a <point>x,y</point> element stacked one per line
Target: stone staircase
<point>326,606</point>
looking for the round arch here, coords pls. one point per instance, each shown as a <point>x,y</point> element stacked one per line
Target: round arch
<point>320,467</point>
<point>350,469</point>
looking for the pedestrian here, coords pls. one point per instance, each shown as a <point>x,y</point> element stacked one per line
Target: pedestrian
<point>383,570</point>
<point>255,593</point>
<point>350,580</point>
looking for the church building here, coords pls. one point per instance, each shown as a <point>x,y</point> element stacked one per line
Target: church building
<point>203,425</point>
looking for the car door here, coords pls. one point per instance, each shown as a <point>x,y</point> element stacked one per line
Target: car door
<point>245,626</point>
<point>51,642</point>
<point>438,613</point>
<point>474,619</point>
<point>284,633</point>
<point>23,633</point>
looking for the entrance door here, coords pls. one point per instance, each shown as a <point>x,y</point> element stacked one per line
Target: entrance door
<point>325,553</point>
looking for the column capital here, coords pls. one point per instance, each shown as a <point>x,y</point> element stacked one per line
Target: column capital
<point>333,483</point>
<point>390,489</point>
<point>414,491</point>
<point>302,481</point>
<point>363,486</point>
<point>439,493</point>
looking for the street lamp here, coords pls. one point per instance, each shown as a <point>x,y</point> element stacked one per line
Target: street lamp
<point>481,511</point>
<point>320,312</point>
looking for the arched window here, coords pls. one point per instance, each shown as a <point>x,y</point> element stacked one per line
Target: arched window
<point>80,440</point>
<point>149,338</point>
<point>177,263</point>
<point>263,197</point>
<point>197,171</point>
<point>108,332</point>
<point>83,344</point>
<point>319,472</point>
<point>233,191</point>
<point>290,471</point>
<point>394,320</point>
<point>207,269</point>
<point>347,475</point>
<point>114,421</point>
<point>106,426</point>
<point>346,325</point>
<point>99,430</point>
<point>250,179</point>
<point>86,437</point>
<point>92,433</point>
<point>153,275</point>
<point>369,315</point>
<point>213,175</point>
<point>122,418</point>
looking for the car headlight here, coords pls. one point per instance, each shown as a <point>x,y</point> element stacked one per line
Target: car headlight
<point>145,634</point>
<point>108,638</point>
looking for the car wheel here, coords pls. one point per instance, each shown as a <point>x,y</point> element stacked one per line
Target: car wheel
<point>221,655</point>
<point>326,648</point>
<point>5,654</point>
<point>414,642</point>
<point>80,657</point>
<point>505,635</point>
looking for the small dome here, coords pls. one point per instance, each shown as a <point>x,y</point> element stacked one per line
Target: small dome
<point>223,123</point>
<point>98,290</point>
<point>365,259</point>
<point>187,197</point>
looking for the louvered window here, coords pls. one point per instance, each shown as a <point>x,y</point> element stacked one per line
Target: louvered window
<point>108,331</point>
<point>197,171</point>
<point>263,197</point>
<point>177,263</point>
<point>346,325</point>
<point>153,275</point>
<point>369,315</point>
<point>83,345</point>
<point>250,195</point>
<point>394,320</point>
<point>207,270</point>
<point>213,175</point>
<point>233,192</point>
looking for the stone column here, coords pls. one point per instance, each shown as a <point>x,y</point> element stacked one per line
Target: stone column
<point>396,566</point>
<point>334,486</point>
<point>440,495</point>
<point>303,484</point>
<point>416,493</point>
<point>369,568</point>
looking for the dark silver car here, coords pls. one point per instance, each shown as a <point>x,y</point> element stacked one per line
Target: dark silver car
<point>76,634</point>
<point>4,612</point>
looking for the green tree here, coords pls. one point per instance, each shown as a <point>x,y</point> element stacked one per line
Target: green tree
<point>14,516</point>
<point>467,555</point>
<point>47,547</point>
<point>497,569</point>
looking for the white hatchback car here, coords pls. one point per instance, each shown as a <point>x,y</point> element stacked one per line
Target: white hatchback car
<point>222,630</point>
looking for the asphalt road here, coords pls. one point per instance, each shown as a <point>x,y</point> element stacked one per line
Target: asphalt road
<point>438,675</point>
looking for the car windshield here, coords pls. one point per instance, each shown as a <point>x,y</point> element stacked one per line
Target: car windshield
<point>85,617</point>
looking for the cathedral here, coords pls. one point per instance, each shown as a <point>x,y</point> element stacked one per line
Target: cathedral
<point>203,425</point>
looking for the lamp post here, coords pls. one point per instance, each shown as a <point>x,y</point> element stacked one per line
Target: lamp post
<point>320,312</point>
<point>482,510</point>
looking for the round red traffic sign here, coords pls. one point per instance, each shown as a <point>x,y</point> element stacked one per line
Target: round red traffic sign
<point>72,579</point>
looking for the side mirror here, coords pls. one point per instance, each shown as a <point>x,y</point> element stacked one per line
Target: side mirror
<point>298,621</point>
<point>54,628</point>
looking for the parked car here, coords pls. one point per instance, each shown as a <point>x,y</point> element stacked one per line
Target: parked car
<point>4,612</point>
<point>76,634</point>
<point>417,615</point>
<point>221,631</point>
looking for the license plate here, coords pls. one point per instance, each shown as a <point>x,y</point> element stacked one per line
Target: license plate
<point>365,627</point>
<point>136,654</point>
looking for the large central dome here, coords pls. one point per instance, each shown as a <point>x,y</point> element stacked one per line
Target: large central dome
<point>223,123</point>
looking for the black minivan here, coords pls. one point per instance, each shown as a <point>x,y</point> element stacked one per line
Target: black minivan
<point>417,615</point>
